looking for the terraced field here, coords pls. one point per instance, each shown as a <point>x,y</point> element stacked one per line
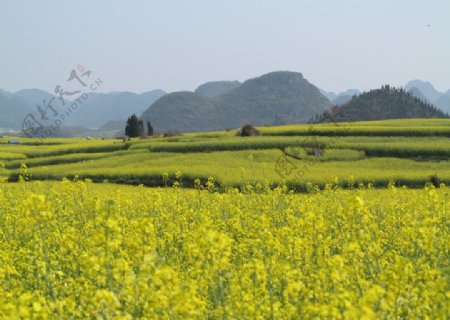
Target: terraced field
<point>404,152</point>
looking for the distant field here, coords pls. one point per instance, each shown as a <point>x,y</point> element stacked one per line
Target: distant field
<point>397,127</point>
<point>405,152</point>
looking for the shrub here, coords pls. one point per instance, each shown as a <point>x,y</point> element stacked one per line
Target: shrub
<point>171,133</point>
<point>248,131</point>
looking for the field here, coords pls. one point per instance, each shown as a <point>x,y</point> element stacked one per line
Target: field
<point>84,250</point>
<point>404,152</point>
<point>347,221</point>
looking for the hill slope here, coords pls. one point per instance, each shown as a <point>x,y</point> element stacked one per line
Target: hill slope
<point>274,98</point>
<point>96,111</point>
<point>34,97</point>
<point>12,111</point>
<point>183,111</point>
<point>380,104</point>
<point>101,108</point>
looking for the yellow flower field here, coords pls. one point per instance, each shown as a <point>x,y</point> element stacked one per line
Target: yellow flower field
<point>81,250</point>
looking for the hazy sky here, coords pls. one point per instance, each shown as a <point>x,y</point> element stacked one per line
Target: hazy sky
<point>177,45</point>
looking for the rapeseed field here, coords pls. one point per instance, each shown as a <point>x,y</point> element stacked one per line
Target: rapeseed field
<point>74,249</point>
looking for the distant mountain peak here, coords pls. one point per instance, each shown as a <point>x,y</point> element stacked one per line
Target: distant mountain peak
<point>420,83</point>
<point>273,97</point>
<point>341,97</point>
<point>426,88</point>
<point>278,77</point>
<point>350,92</point>
<point>329,95</point>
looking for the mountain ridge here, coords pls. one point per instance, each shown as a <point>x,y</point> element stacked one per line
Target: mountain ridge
<point>97,110</point>
<point>266,104</point>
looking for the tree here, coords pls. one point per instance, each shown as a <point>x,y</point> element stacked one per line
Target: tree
<point>134,127</point>
<point>149,129</point>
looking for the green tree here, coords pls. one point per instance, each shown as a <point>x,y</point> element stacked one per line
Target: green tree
<point>134,127</point>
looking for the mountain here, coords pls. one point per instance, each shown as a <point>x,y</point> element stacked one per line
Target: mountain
<point>418,94</point>
<point>425,91</point>
<point>425,87</point>
<point>270,97</point>
<point>152,95</point>
<point>277,97</point>
<point>113,125</point>
<point>6,93</point>
<point>345,96</point>
<point>341,99</point>
<point>183,111</point>
<point>14,107</point>
<point>99,108</point>
<point>34,97</point>
<point>380,104</point>
<point>216,88</point>
<point>95,111</point>
<point>444,102</point>
<point>350,92</point>
<point>13,111</point>
<point>329,95</point>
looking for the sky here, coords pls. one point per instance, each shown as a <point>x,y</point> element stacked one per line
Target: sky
<point>177,45</point>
